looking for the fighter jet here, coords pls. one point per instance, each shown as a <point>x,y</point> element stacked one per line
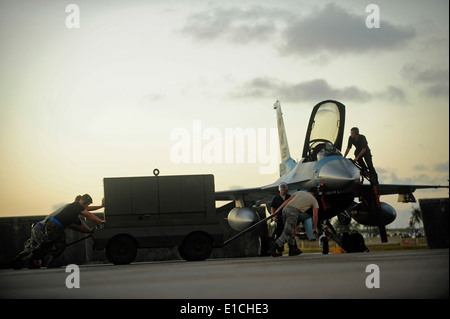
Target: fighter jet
<point>339,181</point>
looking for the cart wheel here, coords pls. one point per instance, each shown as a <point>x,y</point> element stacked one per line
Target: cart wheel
<point>121,250</point>
<point>196,246</point>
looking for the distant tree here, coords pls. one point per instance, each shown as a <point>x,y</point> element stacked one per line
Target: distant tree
<point>372,231</point>
<point>416,217</point>
<point>351,227</point>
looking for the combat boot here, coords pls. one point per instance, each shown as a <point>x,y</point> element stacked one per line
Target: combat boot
<point>294,250</point>
<point>274,250</point>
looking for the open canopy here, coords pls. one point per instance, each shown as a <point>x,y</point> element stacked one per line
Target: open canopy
<point>325,125</point>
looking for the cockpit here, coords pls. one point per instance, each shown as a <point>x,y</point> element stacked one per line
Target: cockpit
<point>319,149</point>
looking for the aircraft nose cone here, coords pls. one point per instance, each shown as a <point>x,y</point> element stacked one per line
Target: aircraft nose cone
<point>337,172</point>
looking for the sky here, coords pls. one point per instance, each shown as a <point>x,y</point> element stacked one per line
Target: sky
<point>119,88</point>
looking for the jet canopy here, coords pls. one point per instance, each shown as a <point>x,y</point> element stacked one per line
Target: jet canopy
<point>325,130</point>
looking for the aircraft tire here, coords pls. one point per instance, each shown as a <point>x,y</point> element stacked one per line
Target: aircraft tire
<point>325,246</point>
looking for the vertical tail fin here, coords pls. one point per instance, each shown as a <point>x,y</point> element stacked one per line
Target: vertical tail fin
<point>287,163</point>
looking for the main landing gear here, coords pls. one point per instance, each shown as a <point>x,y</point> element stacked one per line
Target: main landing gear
<point>353,242</point>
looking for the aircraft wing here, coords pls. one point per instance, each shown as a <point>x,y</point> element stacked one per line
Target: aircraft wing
<point>292,184</point>
<point>249,194</point>
<point>404,191</point>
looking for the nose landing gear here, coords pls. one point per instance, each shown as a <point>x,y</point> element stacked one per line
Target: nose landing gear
<point>328,231</point>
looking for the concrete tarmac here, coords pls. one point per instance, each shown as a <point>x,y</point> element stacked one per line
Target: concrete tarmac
<point>396,274</point>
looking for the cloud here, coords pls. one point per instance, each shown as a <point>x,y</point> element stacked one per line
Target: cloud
<point>326,31</point>
<point>312,90</point>
<point>435,168</point>
<point>421,179</point>
<point>441,167</point>
<point>238,25</point>
<point>433,79</point>
<point>335,31</point>
<point>392,93</point>
<point>419,167</point>
<point>309,90</point>
<point>432,174</point>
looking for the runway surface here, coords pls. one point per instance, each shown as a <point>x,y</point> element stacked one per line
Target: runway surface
<point>401,274</point>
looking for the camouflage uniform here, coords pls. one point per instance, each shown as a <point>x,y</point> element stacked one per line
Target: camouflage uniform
<point>54,239</point>
<point>37,233</point>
